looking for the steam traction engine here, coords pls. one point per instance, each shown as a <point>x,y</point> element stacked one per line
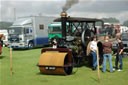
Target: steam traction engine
<point>71,48</point>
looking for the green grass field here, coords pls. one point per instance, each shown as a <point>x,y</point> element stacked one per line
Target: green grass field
<point>25,72</point>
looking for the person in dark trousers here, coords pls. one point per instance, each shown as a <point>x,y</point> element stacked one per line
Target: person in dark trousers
<point>119,55</point>
<point>107,49</point>
<point>93,48</point>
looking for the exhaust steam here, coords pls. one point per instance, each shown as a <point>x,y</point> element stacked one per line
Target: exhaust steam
<point>69,4</point>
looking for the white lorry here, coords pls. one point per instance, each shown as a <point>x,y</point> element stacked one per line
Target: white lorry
<point>29,32</point>
<point>5,37</point>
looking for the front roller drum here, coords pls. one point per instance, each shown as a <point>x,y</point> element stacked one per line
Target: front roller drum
<point>55,62</point>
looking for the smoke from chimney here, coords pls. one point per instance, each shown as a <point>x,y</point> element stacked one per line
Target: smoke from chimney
<point>69,4</point>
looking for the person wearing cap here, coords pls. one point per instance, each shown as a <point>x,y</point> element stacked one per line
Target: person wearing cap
<point>107,49</point>
<point>93,48</point>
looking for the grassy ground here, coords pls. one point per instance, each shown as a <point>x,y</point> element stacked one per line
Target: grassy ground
<point>25,72</point>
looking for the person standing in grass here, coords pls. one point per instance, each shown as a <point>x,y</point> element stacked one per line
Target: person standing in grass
<point>93,48</point>
<point>107,49</point>
<point>119,55</point>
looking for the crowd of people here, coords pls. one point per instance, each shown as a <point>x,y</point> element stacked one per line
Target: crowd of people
<point>112,30</point>
<point>107,53</point>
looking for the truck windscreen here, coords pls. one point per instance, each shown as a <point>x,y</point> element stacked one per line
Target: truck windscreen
<point>56,29</point>
<point>15,30</point>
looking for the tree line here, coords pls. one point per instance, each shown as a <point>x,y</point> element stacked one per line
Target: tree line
<point>5,25</point>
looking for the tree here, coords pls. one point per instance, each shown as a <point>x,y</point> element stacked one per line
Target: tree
<point>111,20</point>
<point>5,25</point>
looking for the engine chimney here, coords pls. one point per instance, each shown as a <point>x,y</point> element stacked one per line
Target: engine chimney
<point>63,24</point>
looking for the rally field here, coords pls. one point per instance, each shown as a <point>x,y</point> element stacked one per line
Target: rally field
<point>25,72</point>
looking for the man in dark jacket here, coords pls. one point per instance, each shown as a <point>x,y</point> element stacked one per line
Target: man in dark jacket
<point>119,55</point>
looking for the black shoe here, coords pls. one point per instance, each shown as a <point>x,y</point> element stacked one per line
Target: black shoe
<point>115,69</point>
<point>94,68</point>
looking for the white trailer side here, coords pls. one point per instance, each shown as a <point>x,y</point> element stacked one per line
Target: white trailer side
<point>40,25</point>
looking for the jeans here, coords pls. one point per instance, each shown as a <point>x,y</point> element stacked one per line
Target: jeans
<point>110,62</point>
<point>94,59</point>
<point>119,59</point>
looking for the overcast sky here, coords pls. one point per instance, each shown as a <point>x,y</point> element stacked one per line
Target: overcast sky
<point>84,8</point>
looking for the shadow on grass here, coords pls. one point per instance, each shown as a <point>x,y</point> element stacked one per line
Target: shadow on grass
<point>49,74</point>
<point>107,70</point>
<point>101,69</point>
<point>95,79</point>
<point>74,72</point>
<point>26,49</point>
<point>1,57</point>
<point>44,80</point>
<point>85,64</point>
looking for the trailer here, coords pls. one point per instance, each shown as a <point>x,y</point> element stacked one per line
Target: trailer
<point>29,32</point>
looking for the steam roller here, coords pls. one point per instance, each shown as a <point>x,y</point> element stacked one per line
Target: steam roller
<point>56,61</point>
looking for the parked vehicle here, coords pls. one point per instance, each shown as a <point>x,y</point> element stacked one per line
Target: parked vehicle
<point>4,38</point>
<point>124,38</point>
<point>29,32</point>
<point>123,29</point>
<point>55,31</point>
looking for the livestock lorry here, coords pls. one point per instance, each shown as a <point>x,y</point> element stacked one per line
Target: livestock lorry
<point>29,32</point>
<point>72,48</point>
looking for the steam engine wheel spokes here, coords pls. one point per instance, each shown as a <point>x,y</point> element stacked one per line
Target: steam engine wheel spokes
<point>86,37</point>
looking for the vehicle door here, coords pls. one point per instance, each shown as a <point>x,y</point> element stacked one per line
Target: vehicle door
<point>28,33</point>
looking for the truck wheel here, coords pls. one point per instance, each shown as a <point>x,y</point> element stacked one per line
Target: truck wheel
<point>30,45</point>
